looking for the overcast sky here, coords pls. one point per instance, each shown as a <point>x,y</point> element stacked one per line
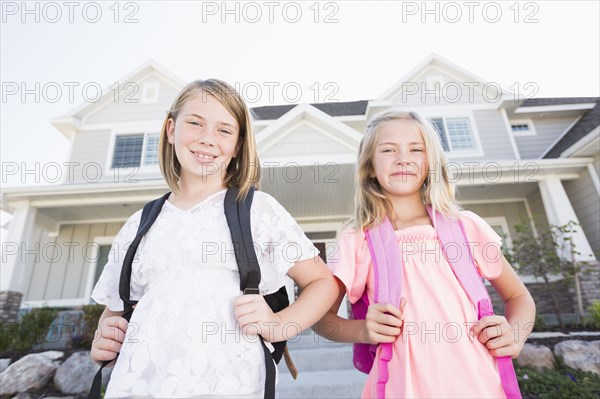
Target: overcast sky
<point>337,50</point>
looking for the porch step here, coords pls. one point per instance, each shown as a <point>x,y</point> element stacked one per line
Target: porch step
<point>320,359</point>
<point>347,384</point>
<point>309,340</point>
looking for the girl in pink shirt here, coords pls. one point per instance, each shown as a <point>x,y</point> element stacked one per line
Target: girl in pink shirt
<point>440,350</point>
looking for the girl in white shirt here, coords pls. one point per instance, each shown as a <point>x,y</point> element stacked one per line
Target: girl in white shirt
<point>193,333</point>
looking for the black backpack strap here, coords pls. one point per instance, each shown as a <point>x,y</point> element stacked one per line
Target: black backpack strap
<point>238,220</point>
<point>149,214</point>
<point>237,214</point>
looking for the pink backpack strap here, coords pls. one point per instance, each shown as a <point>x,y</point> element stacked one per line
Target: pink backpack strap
<point>387,266</point>
<point>453,238</point>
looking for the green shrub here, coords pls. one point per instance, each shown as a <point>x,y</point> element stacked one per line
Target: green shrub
<point>594,318</point>
<point>30,330</point>
<point>540,324</point>
<point>91,315</point>
<point>563,382</point>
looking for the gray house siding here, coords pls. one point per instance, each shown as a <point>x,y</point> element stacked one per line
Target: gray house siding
<point>135,110</point>
<point>585,201</point>
<point>63,266</point>
<point>548,131</point>
<point>89,155</point>
<point>493,135</point>
<point>452,91</point>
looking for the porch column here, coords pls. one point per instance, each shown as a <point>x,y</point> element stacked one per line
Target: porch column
<point>16,243</point>
<point>560,211</point>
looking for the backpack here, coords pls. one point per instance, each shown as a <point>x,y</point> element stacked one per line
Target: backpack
<point>387,269</point>
<point>237,214</point>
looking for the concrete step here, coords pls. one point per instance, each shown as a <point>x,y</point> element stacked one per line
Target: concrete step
<point>347,384</point>
<point>309,340</point>
<point>320,359</point>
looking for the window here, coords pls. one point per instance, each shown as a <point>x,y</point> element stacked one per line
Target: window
<point>522,128</point>
<point>150,92</point>
<point>101,259</point>
<point>455,133</point>
<point>500,226</point>
<point>131,149</point>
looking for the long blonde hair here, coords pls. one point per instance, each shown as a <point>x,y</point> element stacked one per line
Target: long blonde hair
<point>244,170</point>
<point>371,204</point>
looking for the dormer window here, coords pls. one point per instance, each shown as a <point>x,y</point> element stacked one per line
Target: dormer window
<point>455,133</point>
<point>134,150</point>
<point>522,127</point>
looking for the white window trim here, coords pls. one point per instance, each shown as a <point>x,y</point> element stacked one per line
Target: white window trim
<point>528,122</point>
<point>149,169</point>
<point>147,87</point>
<point>93,263</point>
<point>500,221</point>
<point>440,113</point>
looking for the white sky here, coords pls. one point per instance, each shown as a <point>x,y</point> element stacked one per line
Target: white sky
<point>370,47</point>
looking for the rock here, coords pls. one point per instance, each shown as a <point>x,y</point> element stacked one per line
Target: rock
<point>23,395</point>
<point>76,374</point>
<point>4,364</point>
<point>536,356</point>
<point>59,397</point>
<point>30,372</point>
<point>580,355</point>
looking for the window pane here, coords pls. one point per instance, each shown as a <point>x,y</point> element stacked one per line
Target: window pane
<point>101,260</point>
<point>128,150</point>
<point>151,157</point>
<point>459,131</point>
<point>500,231</point>
<point>520,128</point>
<point>438,124</point>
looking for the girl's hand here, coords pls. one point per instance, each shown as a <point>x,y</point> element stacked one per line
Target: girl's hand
<point>497,335</point>
<point>108,338</point>
<point>256,318</point>
<point>384,322</point>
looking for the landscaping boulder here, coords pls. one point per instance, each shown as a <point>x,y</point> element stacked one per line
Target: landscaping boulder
<point>30,372</point>
<point>4,364</point>
<point>538,357</point>
<point>76,374</point>
<point>580,355</point>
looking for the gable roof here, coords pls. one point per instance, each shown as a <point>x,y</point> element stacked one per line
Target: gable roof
<point>68,123</point>
<point>278,129</point>
<point>537,102</point>
<point>587,123</point>
<point>438,61</point>
<point>271,112</point>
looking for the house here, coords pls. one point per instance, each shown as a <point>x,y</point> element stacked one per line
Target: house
<point>511,157</point>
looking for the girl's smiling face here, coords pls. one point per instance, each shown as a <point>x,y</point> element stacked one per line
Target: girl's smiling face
<point>205,138</point>
<point>400,158</point>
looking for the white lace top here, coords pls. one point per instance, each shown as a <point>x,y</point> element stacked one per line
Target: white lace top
<point>183,340</point>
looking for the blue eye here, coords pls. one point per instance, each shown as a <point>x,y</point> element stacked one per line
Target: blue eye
<point>225,131</point>
<point>194,123</point>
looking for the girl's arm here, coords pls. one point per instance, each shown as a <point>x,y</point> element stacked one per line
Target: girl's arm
<point>382,323</point>
<point>505,336</point>
<point>109,336</point>
<point>318,292</point>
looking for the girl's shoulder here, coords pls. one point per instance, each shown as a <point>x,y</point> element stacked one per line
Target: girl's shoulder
<point>266,203</point>
<point>354,239</point>
<point>477,228</point>
<point>130,227</point>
